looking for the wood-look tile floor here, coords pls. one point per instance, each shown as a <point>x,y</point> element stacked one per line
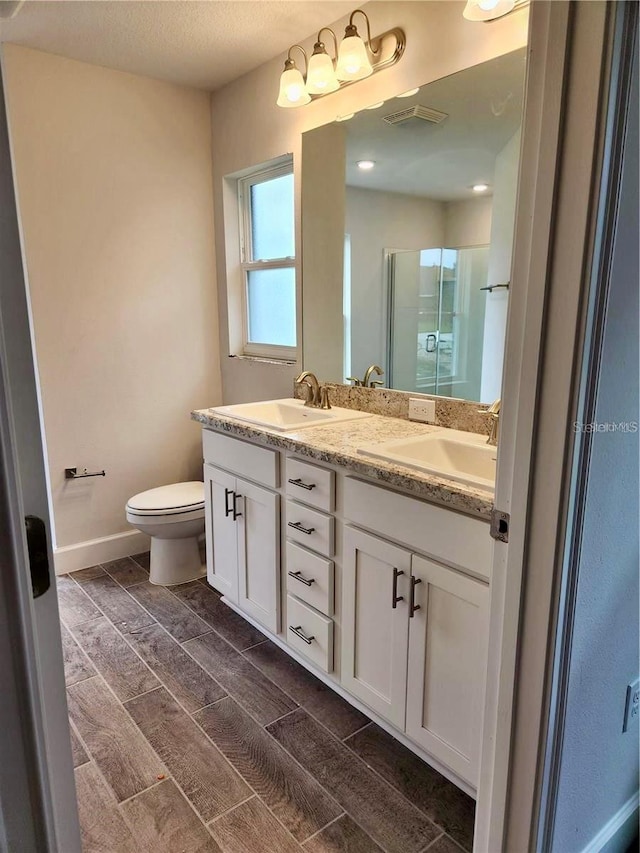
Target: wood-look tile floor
<point>191,732</point>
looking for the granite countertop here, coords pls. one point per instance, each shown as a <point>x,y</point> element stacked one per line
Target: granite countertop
<point>338,444</point>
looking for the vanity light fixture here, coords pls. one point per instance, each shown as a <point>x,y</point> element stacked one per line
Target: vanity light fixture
<point>489,10</point>
<point>365,165</point>
<point>292,85</point>
<point>375,106</point>
<point>345,118</point>
<point>321,75</point>
<point>409,93</point>
<point>354,59</point>
<point>480,188</point>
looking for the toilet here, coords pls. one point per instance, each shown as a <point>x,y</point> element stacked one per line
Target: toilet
<point>173,516</point>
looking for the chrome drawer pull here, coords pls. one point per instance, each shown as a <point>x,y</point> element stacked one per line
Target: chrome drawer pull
<point>298,482</point>
<point>297,526</point>
<point>300,633</point>
<point>298,576</point>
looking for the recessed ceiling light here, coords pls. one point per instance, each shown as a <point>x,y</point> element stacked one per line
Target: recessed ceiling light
<point>365,165</point>
<point>480,188</point>
<point>409,93</point>
<point>375,106</point>
<point>345,118</point>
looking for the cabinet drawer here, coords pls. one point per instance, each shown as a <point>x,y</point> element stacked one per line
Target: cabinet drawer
<point>456,539</point>
<point>310,578</point>
<point>310,633</point>
<point>258,464</point>
<point>310,484</point>
<point>310,528</point>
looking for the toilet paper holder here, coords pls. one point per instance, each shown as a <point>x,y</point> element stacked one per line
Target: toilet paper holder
<point>72,474</point>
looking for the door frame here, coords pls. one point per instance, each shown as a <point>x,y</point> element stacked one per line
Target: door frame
<point>38,808</point>
<point>569,53</point>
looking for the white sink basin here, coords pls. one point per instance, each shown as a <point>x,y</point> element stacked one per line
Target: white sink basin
<point>460,456</point>
<point>287,415</point>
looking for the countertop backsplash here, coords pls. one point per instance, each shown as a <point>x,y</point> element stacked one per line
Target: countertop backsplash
<point>450,413</point>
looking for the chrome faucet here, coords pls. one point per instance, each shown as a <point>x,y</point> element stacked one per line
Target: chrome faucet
<point>317,395</point>
<point>368,382</point>
<point>494,413</point>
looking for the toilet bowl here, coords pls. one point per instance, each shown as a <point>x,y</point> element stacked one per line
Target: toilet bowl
<point>173,516</point>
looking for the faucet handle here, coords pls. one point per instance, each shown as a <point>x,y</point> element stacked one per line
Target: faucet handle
<point>357,383</point>
<point>324,398</point>
<point>375,382</point>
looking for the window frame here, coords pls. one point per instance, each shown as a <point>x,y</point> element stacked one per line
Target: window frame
<point>248,264</point>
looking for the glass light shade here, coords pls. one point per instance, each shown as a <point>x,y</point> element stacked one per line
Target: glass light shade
<point>353,62</point>
<point>321,78</point>
<point>487,10</point>
<point>292,91</point>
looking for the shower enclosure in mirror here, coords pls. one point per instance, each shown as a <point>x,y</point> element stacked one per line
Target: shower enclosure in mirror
<point>436,320</point>
<point>407,263</point>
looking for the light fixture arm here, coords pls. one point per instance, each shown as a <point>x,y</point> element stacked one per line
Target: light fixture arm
<point>290,62</point>
<point>351,30</point>
<point>335,40</point>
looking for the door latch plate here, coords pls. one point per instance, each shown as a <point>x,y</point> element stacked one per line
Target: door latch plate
<point>500,522</point>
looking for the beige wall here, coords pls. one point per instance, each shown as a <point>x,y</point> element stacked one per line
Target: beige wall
<point>467,223</point>
<point>114,182</point>
<point>377,221</point>
<point>505,187</point>
<point>249,129</point>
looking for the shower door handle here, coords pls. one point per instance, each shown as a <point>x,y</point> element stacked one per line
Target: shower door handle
<point>431,338</point>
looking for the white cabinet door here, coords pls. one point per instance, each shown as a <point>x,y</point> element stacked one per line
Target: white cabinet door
<point>447,666</point>
<point>222,548</point>
<point>375,621</point>
<point>258,553</point>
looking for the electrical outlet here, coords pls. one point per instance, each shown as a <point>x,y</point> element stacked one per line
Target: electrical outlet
<point>632,705</point>
<point>422,410</point>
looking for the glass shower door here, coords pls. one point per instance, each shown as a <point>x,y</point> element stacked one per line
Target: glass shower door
<point>414,314</point>
<point>436,320</point>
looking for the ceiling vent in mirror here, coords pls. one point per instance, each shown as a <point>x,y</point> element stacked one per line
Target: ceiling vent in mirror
<point>414,114</point>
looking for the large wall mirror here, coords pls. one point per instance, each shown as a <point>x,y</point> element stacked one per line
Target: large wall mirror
<point>407,218</point>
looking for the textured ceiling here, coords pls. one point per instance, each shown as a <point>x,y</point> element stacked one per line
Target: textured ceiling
<point>193,43</point>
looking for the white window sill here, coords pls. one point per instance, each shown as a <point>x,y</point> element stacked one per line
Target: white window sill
<point>280,362</point>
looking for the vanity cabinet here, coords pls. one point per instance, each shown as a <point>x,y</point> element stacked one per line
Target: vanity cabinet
<point>447,665</point>
<point>383,595</point>
<point>415,627</point>
<point>310,530</point>
<point>414,646</point>
<point>242,522</point>
<point>375,577</point>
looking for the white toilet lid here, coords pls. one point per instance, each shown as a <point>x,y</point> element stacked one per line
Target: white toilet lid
<point>177,497</point>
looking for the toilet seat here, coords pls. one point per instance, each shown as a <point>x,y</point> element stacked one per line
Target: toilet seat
<point>185,499</point>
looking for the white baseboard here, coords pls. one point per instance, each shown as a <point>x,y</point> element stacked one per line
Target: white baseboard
<point>617,833</point>
<point>94,551</point>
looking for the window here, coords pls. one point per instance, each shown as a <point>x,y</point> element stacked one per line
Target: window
<point>267,255</point>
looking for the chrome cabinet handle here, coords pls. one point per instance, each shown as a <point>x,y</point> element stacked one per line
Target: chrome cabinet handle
<point>298,482</point>
<point>412,603</point>
<point>236,498</point>
<point>298,576</point>
<point>297,526</point>
<point>227,509</point>
<point>300,633</point>
<point>395,598</point>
